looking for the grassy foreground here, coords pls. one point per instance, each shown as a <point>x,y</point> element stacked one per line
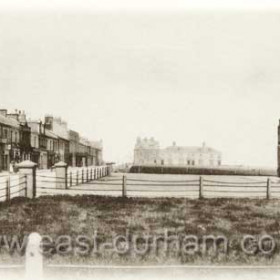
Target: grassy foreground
<point>82,215</point>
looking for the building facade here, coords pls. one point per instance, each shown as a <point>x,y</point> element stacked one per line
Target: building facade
<point>74,139</point>
<point>34,141</point>
<point>44,142</point>
<point>15,139</point>
<point>59,128</point>
<point>84,152</point>
<point>148,152</point>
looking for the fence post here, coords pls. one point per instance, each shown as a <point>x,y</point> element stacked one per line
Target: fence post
<point>91,174</point>
<point>110,167</point>
<point>268,193</point>
<point>28,168</point>
<point>33,258</point>
<point>124,186</point>
<point>8,191</point>
<point>82,176</point>
<point>61,175</point>
<point>200,187</point>
<point>25,186</point>
<point>71,179</point>
<point>87,175</point>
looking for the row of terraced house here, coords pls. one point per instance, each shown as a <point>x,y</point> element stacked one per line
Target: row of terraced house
<point>43,142</point>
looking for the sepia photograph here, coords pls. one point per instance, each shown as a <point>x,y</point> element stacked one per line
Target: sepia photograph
<point>139,139</point>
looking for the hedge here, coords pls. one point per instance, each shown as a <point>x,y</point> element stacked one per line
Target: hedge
<point>223,170</point>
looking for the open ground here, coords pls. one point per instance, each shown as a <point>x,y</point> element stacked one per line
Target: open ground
<point>109,216</point>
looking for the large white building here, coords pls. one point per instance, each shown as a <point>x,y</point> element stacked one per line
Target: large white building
<point>148,152</point>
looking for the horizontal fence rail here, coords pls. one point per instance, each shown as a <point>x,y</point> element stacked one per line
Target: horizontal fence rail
<point>12,186</point>
<point>28,183</point>
<point>97,180</point>
<point>199,188</point>
<point>76,181</point>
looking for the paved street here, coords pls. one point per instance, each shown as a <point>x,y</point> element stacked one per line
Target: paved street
<point>161,272</point>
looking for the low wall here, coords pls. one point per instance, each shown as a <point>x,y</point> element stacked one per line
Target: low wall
<point>223,170</point>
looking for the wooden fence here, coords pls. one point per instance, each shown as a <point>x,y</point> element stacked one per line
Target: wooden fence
<point>96,180</point>
<point>202,187</point>
<point>12,186</point>
<point>29,183</point>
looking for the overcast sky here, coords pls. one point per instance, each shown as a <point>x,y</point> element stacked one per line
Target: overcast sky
<point>184,75</point>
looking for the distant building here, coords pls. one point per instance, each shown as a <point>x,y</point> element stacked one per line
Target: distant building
<point>148,152</point>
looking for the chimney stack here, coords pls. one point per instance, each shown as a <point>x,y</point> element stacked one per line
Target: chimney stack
<point>3,112</point>
<point>22,117</point>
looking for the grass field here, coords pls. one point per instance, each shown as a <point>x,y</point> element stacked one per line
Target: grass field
<point>82,215</point>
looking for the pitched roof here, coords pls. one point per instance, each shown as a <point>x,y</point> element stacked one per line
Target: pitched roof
<point>9,121</point>
<point>50,134</point>
<point>192,149</point>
